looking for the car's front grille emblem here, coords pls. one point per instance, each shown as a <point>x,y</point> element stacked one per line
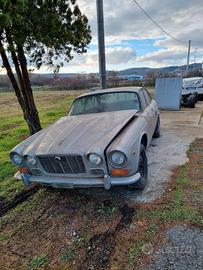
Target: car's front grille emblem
<point>58,159</point>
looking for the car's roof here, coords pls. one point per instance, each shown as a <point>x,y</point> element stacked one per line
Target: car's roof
<point>108,90</point>
<point>192,79</point>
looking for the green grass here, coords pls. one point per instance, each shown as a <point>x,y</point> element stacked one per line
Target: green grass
<point>51,106</point>
<point>67,255</point>
<point>3,237</point>
<point>107,208</point>
<point>38,262</point>
<point>81,240</point>
<point>135,252</point>
<point>183,213</point>
<point>178,209</point>
<point>152,230</point>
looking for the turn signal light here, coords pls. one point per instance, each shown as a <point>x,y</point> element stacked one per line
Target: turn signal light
<point>119,172</point>
<point>23,170</point>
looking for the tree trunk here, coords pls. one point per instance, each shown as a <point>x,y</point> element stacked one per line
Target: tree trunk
<point>23,99</point>
<point>33,116</point>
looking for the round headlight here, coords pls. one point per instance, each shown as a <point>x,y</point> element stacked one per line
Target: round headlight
<point>95,159</point>
<point>118,158</point>
<point>31,160</point>
<point>17,159</point>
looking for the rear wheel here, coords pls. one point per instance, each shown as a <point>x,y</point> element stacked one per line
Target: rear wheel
<point>142,169</point>
<point>191,101</point>
<point>157,129</point>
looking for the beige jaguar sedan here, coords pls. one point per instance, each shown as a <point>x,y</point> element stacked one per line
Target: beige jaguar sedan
<point>100,143</point>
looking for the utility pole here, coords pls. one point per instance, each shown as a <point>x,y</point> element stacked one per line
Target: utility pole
<point>188,58</point>
<point>101,44</point>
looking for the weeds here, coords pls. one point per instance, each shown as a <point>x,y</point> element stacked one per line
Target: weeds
<point>67,255</point>
<point>38,262</point>
<point>80,241</point>
<point>152,230</point>
<point>3,237</point>
<point>135,252</point>
<point>107,208</point>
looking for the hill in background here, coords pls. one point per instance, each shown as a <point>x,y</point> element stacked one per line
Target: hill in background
<point>76,81</point>
<point>171,69</point>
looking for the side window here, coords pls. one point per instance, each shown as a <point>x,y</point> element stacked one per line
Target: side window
<point>143,100</point>
<point>147,97</point>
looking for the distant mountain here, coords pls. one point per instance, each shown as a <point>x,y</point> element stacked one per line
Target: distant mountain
<point>130,71</point>
<point>171,69</point>
<point>142,71</point>
<point>52,75</point>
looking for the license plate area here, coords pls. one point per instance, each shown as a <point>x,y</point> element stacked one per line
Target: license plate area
<point>67,186</point>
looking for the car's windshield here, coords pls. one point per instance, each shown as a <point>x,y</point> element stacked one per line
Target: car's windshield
<point>106,102</point>
<point>191,82</point>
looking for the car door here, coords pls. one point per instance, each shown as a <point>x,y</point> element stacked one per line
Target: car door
<point>149,111</point>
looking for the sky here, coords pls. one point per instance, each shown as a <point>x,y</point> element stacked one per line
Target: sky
<point>132,40</point>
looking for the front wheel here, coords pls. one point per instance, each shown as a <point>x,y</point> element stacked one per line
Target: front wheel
<point>142,169</point>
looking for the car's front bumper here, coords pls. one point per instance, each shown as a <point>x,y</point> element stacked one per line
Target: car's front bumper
<point>64,182</point>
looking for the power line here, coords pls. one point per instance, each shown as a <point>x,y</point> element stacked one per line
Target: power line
<point>154,22</point>
<point>161,28</point>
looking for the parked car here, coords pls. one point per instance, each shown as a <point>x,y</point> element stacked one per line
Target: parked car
<point>100,143</point>
<point>189,99</point>
<point>192,90</point>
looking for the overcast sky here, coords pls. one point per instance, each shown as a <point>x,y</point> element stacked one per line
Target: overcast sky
<point>133,41</point>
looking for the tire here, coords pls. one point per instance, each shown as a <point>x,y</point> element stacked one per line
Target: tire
<point>191,101</point>
<point>142,169</point>
<point>196,97</point>
<point>157,129</point>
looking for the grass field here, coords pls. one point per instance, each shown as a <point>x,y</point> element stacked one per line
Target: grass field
<point>13,129</point>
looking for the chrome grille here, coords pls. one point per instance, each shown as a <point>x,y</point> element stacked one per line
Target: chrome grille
<point>62,164</point>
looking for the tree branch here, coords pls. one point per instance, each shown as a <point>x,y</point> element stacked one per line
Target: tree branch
<point>18,71</point>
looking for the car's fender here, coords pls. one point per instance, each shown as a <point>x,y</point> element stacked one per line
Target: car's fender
<point>129,142</point>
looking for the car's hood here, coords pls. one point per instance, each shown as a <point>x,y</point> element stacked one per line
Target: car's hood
<point>78,134</point>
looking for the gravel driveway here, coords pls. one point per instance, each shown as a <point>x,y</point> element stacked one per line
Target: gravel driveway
<point>183,251</point>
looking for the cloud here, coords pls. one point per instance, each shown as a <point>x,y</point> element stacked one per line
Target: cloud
<point>169,57</point>
<point>114,56</point>
<point>120,55</point>
<point>124,22</point>
<point>162,57</point>
<point>124,19</point>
